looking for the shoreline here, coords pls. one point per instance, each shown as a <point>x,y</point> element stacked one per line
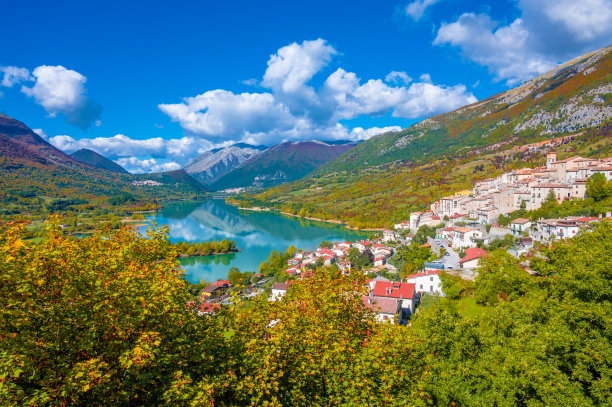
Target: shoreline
<point>334,221</point>
<point>185,256</point>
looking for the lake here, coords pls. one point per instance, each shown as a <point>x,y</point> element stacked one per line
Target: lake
<point>255,233</point>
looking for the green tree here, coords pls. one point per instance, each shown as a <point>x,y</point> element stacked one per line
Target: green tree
<point>598,187</point>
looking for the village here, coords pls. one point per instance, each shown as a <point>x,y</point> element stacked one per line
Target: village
<point>462,223</point>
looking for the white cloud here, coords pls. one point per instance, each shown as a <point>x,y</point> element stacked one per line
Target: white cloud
<point>223,114</point>
<point>398,78</point>
<point>14,75</point>
<point>123,146</point>
<point>138,166</point>
<point>61,90</point>
<point>358,133</point>
<point>41,133</point>
<point>417,8</point>
<point>424,99</point>
<point>294,65</point>
<point>295,109</point>
<point>376,98</point>
<point>547,33</point>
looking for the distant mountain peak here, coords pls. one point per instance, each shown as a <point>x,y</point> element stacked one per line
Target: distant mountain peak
<point>97,160</point>
<point>212,165</point>
<point>281,163</point>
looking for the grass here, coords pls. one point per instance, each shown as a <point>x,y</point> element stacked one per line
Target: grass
<point>468,307</point>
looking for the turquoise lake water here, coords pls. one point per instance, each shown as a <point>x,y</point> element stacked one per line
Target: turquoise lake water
<point>255,233</point>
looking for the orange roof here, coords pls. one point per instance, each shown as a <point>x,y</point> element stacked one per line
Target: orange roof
<point>473,253</point>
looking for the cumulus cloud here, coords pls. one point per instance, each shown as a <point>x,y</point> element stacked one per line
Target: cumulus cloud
<point>294,65</point>
<point>547,33</point>
<point>358,133</point>
<point>416,9</point>
<point>14,75</point>
<point>121,146</point>
<point>398,78</point>
<point>223,114</point>
<point>294,108</point>
<point>139,166</point>
<point>62,91</point>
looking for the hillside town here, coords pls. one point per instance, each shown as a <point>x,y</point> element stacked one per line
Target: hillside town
<point>463,224</point>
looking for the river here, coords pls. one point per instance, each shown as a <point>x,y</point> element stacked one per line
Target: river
<point>256,234</point>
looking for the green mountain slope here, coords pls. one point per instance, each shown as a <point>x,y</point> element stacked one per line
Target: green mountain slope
<point>282,163</point>
<point>386,177</point>
<point>571,97</point>
<point>96,160</point>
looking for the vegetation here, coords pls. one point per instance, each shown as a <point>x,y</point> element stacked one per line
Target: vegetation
<point>103,318</point>
<point>193,249</point>
<point>379,196</point>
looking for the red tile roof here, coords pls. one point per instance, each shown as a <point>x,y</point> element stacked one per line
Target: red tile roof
<point>208,307</point>
<point>382,305</point>
<point>473,253</point>
<point>280,286</point>
<point>425,273</point>
<point>393,289</point>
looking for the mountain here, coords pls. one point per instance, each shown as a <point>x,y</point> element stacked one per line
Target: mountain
<point>96,160</point>
<point>30,167</point>
<point>386,177</point>
<point>20,145</point>
<point>282,163</point>
<point>208,167</point>
<point>571,97</point>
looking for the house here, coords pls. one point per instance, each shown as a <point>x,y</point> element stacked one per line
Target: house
<point>427,282</point>
<point>380,261</point>
<point>547,229</point>
<point>404,292</point>
<point>472,258</point>
<point>216,289</point>
<point>278,291</point>
<point>464,237</point>
<point>518,226</point>
<point>206,308</point>
<point>387,309</point>
<point>389,236</point>
<point>372,282</point>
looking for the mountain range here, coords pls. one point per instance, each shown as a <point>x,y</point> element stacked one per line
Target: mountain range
<point>30,167</point>
<point>211,165</point>
<point>281,163</point>
<point>387,176</point>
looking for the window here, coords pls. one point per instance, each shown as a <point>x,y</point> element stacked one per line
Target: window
<point>421,286</point>
<point>431,288</point>
<point>430,278</point>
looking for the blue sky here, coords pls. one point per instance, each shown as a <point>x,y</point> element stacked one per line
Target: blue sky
<point>152,84</point>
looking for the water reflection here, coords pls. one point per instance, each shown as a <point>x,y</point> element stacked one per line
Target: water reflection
<point>255,233</point>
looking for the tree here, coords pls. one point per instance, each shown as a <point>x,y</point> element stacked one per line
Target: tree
<point>98,318</point>
<point>234,276</point>
<point>598,187</point>
<point>325,244</point>
<point>425,231</point>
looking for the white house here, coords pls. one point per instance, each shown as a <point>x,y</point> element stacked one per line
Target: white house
<point>405,293</point>
<point>472,258</point>
<point>518,226</point>
<point>387,309</point>
<point>278,291</point>
<point>427,282</point>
